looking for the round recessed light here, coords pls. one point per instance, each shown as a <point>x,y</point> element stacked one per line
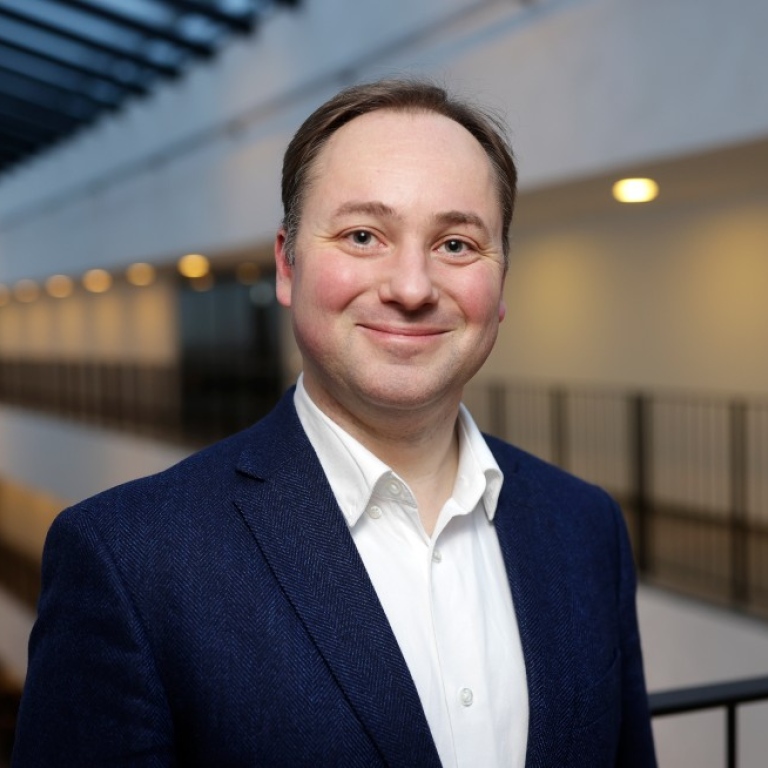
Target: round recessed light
<point>97,280</point>
<point>194,265</point>
<point>635,190</point>
<point>140,274</point>
<point>59,286</point>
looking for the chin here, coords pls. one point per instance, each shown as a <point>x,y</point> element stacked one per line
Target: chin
<point>409,396</point>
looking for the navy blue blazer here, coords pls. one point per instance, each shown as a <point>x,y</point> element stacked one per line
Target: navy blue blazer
<point>218,614</point>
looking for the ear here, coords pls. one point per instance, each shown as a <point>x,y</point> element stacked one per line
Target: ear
<point>284,270</point>
<point>502,311</point>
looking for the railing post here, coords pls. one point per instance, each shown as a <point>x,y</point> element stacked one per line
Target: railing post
<point>730,736</point>
<point>639,438</point>
<point>497,409</point>
<point>738,518</point>
<point>558,416</point>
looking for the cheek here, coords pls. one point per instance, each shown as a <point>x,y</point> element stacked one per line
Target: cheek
<point>483,303</point>
<point>326,287</point>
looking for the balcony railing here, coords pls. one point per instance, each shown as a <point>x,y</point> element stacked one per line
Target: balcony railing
<point>727,696</point>
<point>690,472</point>
<point>195,402</point>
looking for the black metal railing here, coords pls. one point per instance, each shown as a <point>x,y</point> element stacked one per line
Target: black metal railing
<point>689,470</point>
<point>728,696</point>
<point>195,402</point>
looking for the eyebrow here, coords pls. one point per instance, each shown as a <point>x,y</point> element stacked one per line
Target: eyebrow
<point>377,208</point>
<point>372,208</point>
<point>462,218</point>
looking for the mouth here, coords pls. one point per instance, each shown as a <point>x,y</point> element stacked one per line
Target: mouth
<point>408,331</point>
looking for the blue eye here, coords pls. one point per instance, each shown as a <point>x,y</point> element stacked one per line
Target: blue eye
<point>361,237</point>
<point>454,246</point>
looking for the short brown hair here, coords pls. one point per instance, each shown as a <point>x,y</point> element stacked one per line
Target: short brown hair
<point>400,96</point>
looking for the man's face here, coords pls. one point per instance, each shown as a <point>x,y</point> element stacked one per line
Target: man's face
<point>396,289</point>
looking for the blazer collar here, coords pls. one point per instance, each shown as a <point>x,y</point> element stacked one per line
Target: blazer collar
<point>535,560</point>
<point>293,516</point>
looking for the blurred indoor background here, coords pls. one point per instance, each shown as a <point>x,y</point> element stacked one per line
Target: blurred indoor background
<point>140,150</point>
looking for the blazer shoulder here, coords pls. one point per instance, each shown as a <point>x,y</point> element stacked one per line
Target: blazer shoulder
<point>542,477</point>
<point>198,484</point>
<point>583,516</point>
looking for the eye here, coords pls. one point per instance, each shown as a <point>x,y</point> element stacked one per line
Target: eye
<point>361,237</point>
<point>455,247</point>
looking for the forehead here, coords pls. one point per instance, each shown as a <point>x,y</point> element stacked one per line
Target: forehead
<point>385,129</point>
<point>394,151</point>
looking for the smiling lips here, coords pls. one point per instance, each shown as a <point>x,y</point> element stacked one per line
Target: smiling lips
<point>403,340</point>
<point>410,331</point>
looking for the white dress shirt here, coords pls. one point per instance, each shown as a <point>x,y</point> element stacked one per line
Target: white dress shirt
<point>446,597</point>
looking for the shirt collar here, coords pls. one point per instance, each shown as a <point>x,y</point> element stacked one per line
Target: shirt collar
<point>354,472</point>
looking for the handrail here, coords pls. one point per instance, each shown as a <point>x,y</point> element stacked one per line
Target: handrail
<point>695,698</point>
<point>679,700</point>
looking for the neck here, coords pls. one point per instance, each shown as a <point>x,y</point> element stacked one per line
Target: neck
<point>420,444</point>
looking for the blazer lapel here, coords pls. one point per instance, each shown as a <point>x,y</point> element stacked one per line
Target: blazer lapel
<point>536,567</point>
<point>292,513</point>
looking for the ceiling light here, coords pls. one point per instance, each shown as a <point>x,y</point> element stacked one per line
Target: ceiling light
<point>635,190</point>
<point>97,280</point>
<point>59,286</point>
<point>26,291</point>
<point>194,265</point>
<point>140,274</point>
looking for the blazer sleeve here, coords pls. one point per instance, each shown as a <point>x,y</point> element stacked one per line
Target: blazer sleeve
<point>636,749</point>
<point>93,695</point>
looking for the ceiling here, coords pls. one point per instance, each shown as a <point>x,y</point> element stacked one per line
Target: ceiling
<point>723,173</point>
<point>64,63</point>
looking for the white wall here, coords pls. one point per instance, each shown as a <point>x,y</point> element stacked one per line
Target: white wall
<point>125,324</point>
<point>667,296</point>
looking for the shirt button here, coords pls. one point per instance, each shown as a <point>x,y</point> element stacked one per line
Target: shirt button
<point>394,488</point>
<point>465,697</point>
<point>437,556</point>
<point>374,512</point>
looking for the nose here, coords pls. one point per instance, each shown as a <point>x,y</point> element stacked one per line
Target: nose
<point>409,280</point>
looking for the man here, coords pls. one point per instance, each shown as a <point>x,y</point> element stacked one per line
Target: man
<point>361,579</point>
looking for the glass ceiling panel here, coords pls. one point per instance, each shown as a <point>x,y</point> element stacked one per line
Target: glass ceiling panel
<point>63,63</point>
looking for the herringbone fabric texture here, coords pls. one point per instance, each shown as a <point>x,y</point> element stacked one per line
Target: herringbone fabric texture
<point>218,614</point>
